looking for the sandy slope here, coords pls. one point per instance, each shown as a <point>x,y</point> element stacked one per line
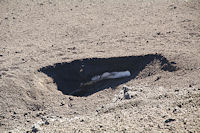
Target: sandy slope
<point>36,34</point>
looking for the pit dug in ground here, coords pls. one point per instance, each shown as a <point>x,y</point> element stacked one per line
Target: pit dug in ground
<point>72,78</point>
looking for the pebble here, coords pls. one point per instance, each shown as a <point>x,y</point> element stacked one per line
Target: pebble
<point>34,129</point>
<point>169,120</point>
<point>62,104</point>
<point>70,98</point>
<point>46,123</point>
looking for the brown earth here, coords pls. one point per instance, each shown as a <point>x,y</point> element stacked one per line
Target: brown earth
<point>50,49</point>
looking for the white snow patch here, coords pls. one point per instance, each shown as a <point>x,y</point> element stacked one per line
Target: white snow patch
<point>111,75</point>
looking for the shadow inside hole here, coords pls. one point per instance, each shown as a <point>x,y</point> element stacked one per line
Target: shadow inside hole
<point>70,77</point>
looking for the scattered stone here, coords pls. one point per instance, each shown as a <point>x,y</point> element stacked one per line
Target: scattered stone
<point>173,62</point>
<point>1,124</point>
<point>100,126</point>
<point>176,90</point>
<point>75,113</point>
<point>175,111</point>
<point>62,104</point>
<point>70,98</point>
<point>159,77</point>
<point>125,93</point>
<point>40,114</point>
<point>179,105</point>
<point>169,120</point>
<point>158,33</point>
<point>73,48</point>
<point>69,105</point>
<point>81,120</point>
<point>46,123</point>
<point>2,117</point>
<point>34,129</point>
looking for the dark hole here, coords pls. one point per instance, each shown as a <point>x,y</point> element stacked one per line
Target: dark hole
<point>70,77</point>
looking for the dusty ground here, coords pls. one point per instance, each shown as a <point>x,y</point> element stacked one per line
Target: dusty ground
<point>35,34</point>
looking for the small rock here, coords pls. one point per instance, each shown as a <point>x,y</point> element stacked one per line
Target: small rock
<point>1,124</point>
<point>40,114</point>
<point>69,105</point>
<point>173,62</point>
<point>190,85</point>
<point>34,129</point>
<point>127,96</point>
<point>176,90</point>
<point>158,33</point>
<point>159,77</point>
<point>100,126</point>
<point>73,48</point>
<point>70,98</point>
<point>179,105</point>
<point>175,111</point>
<point>125,93</point>
<point>125,89</point>
<point>2,117</point>
<point>62,104</point>
<point>46,123</point>
<point>75,113</point>
<point>169,120</point>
